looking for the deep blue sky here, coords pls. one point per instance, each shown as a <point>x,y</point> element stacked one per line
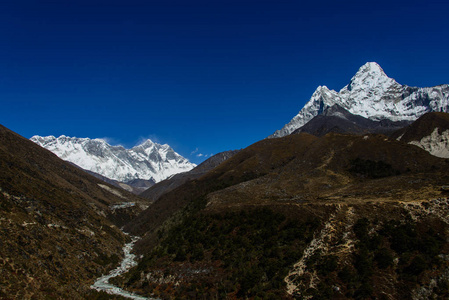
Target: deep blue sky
<point>200,75</point>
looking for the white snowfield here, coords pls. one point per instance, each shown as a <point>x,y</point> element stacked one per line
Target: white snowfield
<point>373,95</point>
<point>146,161</point>
<point>102,283</point>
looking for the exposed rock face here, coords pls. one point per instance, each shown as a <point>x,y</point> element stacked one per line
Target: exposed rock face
<point>373,95</point>
<point>436,144</point>
<point>430,132</point>
<point>148,161</point>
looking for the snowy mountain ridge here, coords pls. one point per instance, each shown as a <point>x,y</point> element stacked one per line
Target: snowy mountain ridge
<point>147,161</point>
<point>373,95</point>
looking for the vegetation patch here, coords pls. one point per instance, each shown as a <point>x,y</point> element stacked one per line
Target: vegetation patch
<point>372,169</point>
<point>239,254</point>
<point>402,252</point>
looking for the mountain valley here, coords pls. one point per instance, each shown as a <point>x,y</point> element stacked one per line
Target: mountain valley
<point>338,216</point>
<point>350,200</point>
<point>59,225</point>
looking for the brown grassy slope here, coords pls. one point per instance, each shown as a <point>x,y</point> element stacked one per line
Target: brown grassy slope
<point>323,173</point>
<point>54,234</point>
<point>423,127</point>
<point>245,165</point>
<point>299,168</point>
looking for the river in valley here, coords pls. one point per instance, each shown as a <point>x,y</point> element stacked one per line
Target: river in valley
<point>102,283</point>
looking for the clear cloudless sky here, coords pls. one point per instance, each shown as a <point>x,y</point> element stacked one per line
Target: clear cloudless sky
<point>202,76</point>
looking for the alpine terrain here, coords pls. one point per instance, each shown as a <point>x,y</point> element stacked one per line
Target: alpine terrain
<point>373,95</point>
<point>337,216</point>
<point>349,201</point>
<point>59,226</point>
<point>147,161</point>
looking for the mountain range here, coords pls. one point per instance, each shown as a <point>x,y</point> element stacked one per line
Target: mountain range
<point>373,95</point>
<point>351,204</point>
<point>371,103</point>
<point>148,161</point>
<point>328,209</point>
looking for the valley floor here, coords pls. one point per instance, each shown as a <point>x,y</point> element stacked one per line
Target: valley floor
<point>102,283</point>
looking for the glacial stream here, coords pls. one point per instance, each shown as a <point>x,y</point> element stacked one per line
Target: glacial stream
<point>102,283</point>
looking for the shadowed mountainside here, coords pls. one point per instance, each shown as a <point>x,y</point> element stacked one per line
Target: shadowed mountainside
<point>338,120</point>
<point>423,127</point>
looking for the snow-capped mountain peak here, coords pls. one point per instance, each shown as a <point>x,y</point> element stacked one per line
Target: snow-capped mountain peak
<point>146,144</point>
<point>373,95</point>
<point>147,161</point>
<point>370,76</point>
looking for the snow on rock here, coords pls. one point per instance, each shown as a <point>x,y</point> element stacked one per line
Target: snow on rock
<point>373,95</point>
<point>148,160</point>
